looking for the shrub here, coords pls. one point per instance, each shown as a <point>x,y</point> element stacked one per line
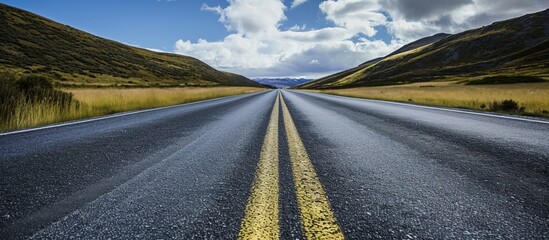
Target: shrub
<point>9,95</point>
<point>34,83</point>
<point>38,88</point>
<point>27,94</point>
<point>508,105</point>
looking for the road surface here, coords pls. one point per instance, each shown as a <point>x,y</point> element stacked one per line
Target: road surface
<point>279,164</point>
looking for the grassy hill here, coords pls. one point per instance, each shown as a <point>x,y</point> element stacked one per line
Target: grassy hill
<point>31,44</point>
<point>420,43</point>
<point>410,46</point>
<point>513,49</point>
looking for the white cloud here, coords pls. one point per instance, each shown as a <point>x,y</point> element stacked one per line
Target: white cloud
<point>251,17</point>
<point>234,52</point>
<point>408,31</point>
<point>355,15</point>
<point>216,9</point>
<point>297,28</point>
<point>258,47</point>
<point>296,3</point>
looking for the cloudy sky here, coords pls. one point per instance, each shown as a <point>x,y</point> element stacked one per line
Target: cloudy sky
<point>277,38</point>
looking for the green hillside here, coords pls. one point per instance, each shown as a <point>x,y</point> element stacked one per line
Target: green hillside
<point>31,44</point>
<point>337,76</point>
<point>516,48</point>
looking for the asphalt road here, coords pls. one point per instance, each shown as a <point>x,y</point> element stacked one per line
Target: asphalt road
<point>374,169</point>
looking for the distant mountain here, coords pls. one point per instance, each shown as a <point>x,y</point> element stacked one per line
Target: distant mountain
<point>516,47</point>
<point>32,44</point>
<point>282,82</point>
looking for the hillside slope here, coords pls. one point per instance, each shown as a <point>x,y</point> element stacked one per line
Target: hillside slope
<point>335,77</point>
<point>420,43</point>
<point>516,47</point>
<point>32,44</point>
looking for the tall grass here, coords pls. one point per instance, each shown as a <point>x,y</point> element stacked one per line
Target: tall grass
<point>30,100</point>
<point>104,101</point>
<point>533,97</point>
<point>20,109</point>
<point>31,114</point>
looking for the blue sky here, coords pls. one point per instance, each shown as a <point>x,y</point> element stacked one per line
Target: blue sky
<point>275,38</point>
<point>152,23</point>
<point>147,23</point>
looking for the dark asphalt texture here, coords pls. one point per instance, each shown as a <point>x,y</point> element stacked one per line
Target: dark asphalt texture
<point>406,172</point>
<point>389,171</point>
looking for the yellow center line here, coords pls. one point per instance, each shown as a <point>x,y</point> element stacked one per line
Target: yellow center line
<point>316,215</point>
<point>261,216</point>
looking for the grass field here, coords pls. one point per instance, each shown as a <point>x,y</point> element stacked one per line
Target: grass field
<point>96,102</point>
<point>533,97</point>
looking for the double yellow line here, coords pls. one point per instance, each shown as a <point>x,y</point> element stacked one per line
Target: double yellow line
<point>261,218</point>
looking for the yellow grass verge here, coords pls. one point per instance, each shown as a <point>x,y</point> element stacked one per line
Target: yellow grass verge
<point>96,102</point>
<point>534,97</point>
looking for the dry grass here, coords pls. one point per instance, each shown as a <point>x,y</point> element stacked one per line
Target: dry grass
<point>96,102</point>
<point>104,101</point>
<point>534,97</point>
